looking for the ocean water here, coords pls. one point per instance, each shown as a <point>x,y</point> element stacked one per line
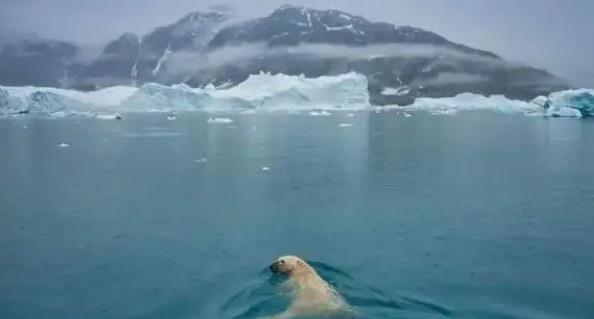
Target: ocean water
<point>477,215</point>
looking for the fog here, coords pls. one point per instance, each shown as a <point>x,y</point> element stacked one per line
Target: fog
<point>180,61</point>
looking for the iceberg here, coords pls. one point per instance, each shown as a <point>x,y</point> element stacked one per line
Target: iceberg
<point>264,92</point>
<point>285,92</point>
<point>570,103</point>
<point>278,92</point>
<point>472,102</point>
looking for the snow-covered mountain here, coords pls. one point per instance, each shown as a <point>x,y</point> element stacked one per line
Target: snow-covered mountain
<point>401,63</point>
<point>138,59</point>
<point>292,25</point>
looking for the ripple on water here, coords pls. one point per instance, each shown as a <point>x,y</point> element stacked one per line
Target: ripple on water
<point>265,296</point>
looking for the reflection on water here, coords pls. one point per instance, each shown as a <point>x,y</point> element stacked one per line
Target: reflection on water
<point>472,216</point>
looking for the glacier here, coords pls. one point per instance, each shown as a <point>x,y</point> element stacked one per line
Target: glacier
<point>264,92</point>
<point>272,92</point>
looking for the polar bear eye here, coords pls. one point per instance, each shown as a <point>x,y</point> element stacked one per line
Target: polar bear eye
<point>282,261</point>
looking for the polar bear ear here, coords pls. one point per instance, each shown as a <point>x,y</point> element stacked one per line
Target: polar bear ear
<point>300,262</point>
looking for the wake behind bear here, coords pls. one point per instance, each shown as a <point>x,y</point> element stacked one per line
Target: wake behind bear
<point>311,294</point>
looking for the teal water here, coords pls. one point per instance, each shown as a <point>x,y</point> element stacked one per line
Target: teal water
<point>471,216</point>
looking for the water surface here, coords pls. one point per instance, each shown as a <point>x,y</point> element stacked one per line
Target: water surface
<point>471,216</point>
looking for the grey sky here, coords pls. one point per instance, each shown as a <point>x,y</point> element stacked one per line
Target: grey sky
<point>553,34</point>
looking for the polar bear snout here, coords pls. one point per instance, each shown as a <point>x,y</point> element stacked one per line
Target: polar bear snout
<point>274,267</point>
<point>278,266</point>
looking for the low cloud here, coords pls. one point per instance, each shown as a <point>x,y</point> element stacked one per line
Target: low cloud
<point>184,62</point>
<point>446,78</point>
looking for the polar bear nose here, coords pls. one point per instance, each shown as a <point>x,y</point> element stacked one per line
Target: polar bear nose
<point>274,267</point>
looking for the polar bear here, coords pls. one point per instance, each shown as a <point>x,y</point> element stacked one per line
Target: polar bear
<point>312,295</point>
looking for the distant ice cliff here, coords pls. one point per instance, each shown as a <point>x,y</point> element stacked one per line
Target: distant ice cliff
<point>267,92</point>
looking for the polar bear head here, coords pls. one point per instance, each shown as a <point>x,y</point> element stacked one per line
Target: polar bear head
<point>289,265</point>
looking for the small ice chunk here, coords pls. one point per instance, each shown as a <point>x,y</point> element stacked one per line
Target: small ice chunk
<point>345,125</point>
<point>407,115</point>
<point>171,117</point>
<point>265,168</point>
<point>350,115</point>
<point>64,145</point>
<point>114,116</point>
<point>201,160</point>
<point>320,113</point>
<point>220,120</point>
<point>399,91</point>
<point>58,114</point>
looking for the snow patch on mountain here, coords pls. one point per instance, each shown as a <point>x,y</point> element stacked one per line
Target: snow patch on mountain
<point>162,60</point>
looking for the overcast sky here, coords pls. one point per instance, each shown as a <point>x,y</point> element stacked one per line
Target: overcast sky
<point>552,34</point>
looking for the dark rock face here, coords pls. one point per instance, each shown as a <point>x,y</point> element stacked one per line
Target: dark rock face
<point>400,63</point>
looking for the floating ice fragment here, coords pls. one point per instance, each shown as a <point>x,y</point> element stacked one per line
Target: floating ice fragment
<point>114,116</point>
<point>64,145</point>
<point>220,120</point>
<point>320,113</point>
<point>58,114</point>
<point>265,168</point>
<point>345,125</point>
<point>201,160</point>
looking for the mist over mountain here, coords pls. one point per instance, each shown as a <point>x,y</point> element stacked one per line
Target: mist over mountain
<point>401,63</point>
